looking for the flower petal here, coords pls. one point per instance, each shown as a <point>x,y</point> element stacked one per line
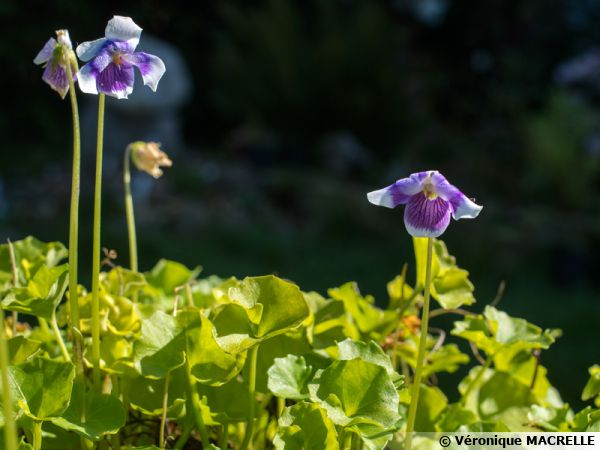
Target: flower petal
<point>86,79</point>
<point>56,76</point>
<point>151,67</point>
<point>462,206</point>
<point>46,52</point>
<point>426,218</point>
<point>121,28</point>
<point>398,193</point>
<point>88,50</point>
<point>116,80</point>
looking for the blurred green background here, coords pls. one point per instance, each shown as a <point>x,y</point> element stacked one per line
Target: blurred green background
<point>301,107</point>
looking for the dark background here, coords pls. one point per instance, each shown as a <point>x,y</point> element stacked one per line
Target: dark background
<point>301,107</point>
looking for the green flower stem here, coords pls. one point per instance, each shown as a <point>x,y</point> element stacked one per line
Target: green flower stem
<point>163,418</point>
<point>416,386</point>
<point>59,339</point>
<point>473,383</point>
<point>96,249</point>
<point>193,402</point>
<point>251,397</point>
<point>37,435</point>
<point>224,438</point>
<point>133,259</point>
<point>74,211</point>
<point>10,429</point>
<point>15,282</point>
<point>280,406</point>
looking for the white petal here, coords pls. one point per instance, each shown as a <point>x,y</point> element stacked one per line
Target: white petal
<point>465,208</point>
<point>87,50</point>
<point>381,197</point>
<point>121,28</point>
<point>86,79</point>
<point>46,52</point>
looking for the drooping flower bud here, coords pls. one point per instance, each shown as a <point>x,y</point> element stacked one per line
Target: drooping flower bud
<point>149,158</point>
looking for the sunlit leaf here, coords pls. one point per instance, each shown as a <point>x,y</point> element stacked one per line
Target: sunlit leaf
<point>303,426</point>
<point>42,294</point>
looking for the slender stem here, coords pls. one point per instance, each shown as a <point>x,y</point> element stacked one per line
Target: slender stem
<point>96,249</point>
<point>185,435</point>
<point>115,439</point>
<point>342,438</point>
<point>477,378</point>
<point>37,435</point>
<point>133,259</point>
<point>163,419</point>
<point>223,441</point>
<point>10,429</point>
<point>416,386</point>
<point>193,400</point>
<point>59,339</point>
<point>251,397</point>
<point>15,282</point>
<point>74,212</point>
<point>43,325</point>
<point>189,295</point>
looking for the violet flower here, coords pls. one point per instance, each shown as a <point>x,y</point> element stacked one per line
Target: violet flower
<point>430,201</point>
<point>57,54</point>
<point>112,58</point>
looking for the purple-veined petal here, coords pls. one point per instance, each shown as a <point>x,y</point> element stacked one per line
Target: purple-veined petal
<point>88,50</point>
<point>46,52</point>
<point>462,206</point>
<point>151,67</point>
<point>88,74</point>
<point>121,28</point>
<point>426,218</point>
<point>398,193</point>
<point>116,80</point>
<point>56,76</point>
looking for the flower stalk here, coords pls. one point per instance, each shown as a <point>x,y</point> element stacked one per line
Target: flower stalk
<point>74,210</point>
<point>251,394</point>
<point>10,428</point>
<point>96,249</point>
<point>133,259</point>
<point>15,282</point>
<point>416,386</point>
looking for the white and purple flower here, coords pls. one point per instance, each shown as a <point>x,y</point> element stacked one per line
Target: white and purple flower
<point>430,201</point>
<point>57,54</point>
<point>112,58</point>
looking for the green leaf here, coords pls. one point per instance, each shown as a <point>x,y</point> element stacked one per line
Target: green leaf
<point>167,275</point>
<point>42,294</point>
<point>432,403</point>
<point>104,414</point>
<point>21,349</point>
<point>303,426</point>
<point>495,330</point>
<point>497,396</point>
<point>259,308</point>
<point>161,345</point>
<point>122,282</point>
<point>331,324</point>
<point>369,352</point>
<point>210,364</point>
<point>146,395</point>
<point>450,284</point>
<point>454,417</point>
<point>42,387</point>
<point>355,392</point>
<point>289,377</point>
<point>592,388</point>
<point>366,315</point>
<point>30,255</point>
